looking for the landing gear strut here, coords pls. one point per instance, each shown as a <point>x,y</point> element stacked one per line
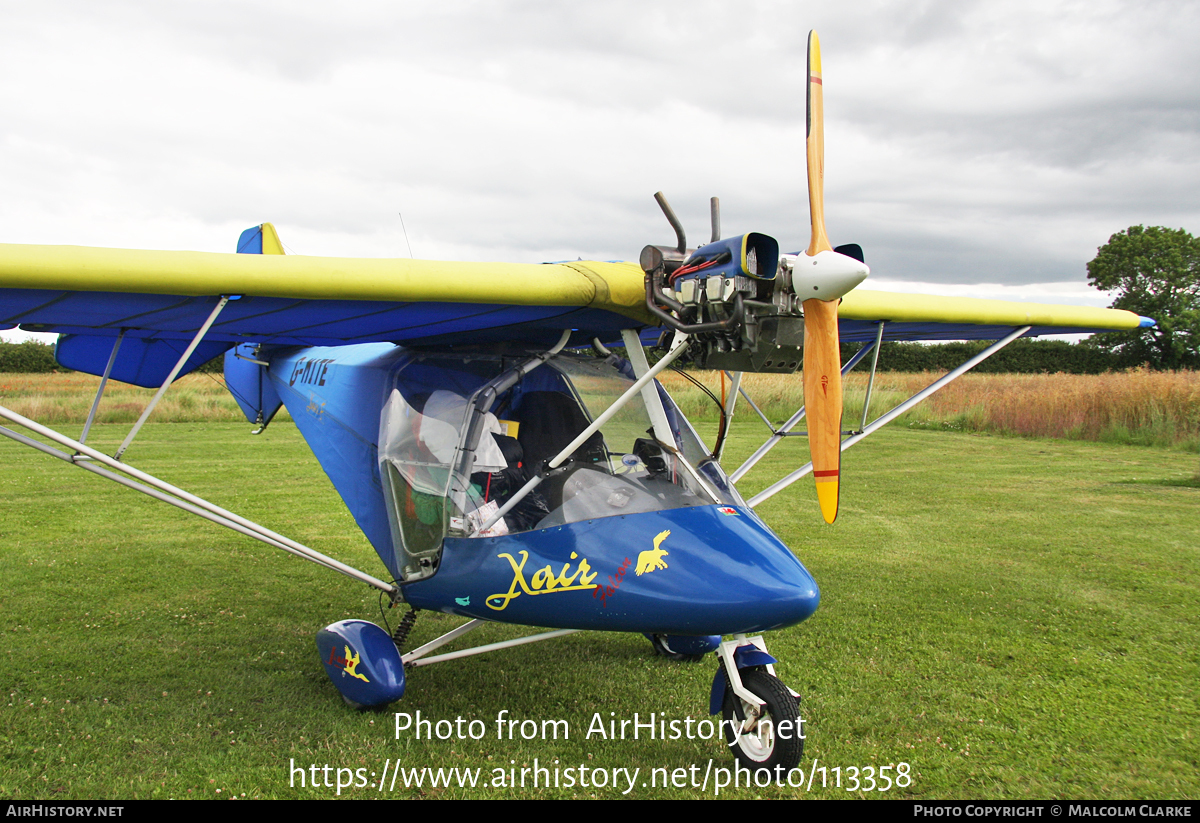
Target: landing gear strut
<point>764,737</point>
<point>761,716</point>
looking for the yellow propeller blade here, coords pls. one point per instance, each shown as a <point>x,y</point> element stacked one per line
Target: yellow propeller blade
<point>823,400</point>
<point>822,356</point>
<point>816,148</point>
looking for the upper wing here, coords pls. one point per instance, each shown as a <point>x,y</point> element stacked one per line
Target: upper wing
<point>929,317</point>
<point>291,299</point>
<point>160,298</point>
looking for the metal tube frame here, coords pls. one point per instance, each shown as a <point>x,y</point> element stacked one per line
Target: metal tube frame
<point>171,377</point>
<point>785,430</point>
<point>604,417</point>
<point>891,415</point>
<point>735,385</point>
<point>177,497</point>
<point>754,406</point>
<point>157,495</point>
<point>871,380</point>
<point>112,358</point>
<point>617,405</point>
<point>417,656</point>
<point>481,401</point>
<point>650,398</point>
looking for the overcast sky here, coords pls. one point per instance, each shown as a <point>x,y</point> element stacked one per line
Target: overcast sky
<point>972,148</point>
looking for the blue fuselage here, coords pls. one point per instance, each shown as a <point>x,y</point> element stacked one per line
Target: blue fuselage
<point>699,569</point>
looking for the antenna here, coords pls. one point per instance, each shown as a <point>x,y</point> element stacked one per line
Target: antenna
<point>410,254</point>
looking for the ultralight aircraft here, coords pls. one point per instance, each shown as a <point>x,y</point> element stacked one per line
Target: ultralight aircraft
<point>505,463</point>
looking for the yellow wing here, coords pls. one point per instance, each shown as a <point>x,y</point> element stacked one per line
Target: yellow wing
<point>930,317</point>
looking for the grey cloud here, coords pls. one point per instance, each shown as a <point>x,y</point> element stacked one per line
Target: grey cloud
<point>966,140</point>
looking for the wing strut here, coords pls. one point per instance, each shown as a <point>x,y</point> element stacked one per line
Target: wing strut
<point>177,497</point>
<point>888,417</point>
<point>112,358</point>
<point>785,430</point>
<point>179,365</point>
<point>871,380</point>
<point>650,398</point>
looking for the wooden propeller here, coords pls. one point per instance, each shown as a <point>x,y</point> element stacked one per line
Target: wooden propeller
<point>822,356</point>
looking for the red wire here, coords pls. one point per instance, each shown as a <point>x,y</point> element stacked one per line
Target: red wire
<point>689,269</point>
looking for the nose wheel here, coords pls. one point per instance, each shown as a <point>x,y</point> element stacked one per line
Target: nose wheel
<point>764,737</point>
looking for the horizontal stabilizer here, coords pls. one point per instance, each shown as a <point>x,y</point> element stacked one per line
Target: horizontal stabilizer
<point>141,361</point>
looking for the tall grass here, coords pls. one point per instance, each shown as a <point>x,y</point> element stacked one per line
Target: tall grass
<point>66,398</point>
<point>1138,407</point>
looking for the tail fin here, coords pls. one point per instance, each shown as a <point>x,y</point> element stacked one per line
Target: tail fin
<point>260,240</point>
<point>246,375</point>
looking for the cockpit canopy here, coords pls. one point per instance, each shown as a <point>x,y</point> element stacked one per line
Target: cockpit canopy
<point>457,443</point>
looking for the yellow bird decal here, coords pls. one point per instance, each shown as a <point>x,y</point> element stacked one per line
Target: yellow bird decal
<point>652,559</point>
<point>353,660</point>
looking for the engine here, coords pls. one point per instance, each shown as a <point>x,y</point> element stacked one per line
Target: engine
<point>739,299</point>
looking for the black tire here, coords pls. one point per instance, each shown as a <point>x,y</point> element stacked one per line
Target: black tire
<point>775,746</point>
<point>661,648</point>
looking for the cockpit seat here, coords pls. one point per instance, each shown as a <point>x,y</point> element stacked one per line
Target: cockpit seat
<point>549,421</point>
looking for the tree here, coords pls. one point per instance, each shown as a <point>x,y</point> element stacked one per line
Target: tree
<point>1156,272</point>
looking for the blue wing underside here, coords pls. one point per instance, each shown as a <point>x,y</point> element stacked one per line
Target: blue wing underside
<point>158,327</point>
<point>290,322</point>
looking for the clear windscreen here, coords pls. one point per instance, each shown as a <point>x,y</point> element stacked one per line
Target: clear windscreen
<point>631,464</point>
<point>450,467</point>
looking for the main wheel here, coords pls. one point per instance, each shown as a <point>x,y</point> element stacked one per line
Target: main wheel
<point>767,738</point>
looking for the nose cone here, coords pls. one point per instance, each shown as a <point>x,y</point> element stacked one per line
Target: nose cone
<point>827,275</point>
<point>696,571</point>
<point>733,574</point>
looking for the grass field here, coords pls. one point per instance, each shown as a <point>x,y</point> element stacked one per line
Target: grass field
<point>1010,617</point>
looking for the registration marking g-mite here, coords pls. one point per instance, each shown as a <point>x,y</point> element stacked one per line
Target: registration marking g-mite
<point>310,371</point>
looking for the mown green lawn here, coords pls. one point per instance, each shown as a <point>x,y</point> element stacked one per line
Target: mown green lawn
<point>1011,618</point>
